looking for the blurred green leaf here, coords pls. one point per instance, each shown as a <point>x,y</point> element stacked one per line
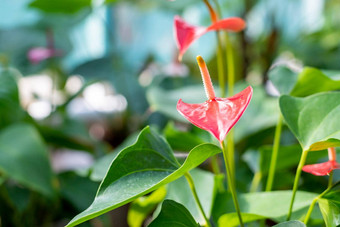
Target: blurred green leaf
<point>179,191</point>
<point>79,191</point>
<point>231,219</point>
<point>174,214</point>
<point>143,206</point>
<point>25,159</point>
<point>283,78</point>
<point>180,140</point>
<point>273,205</point>
<point>10,109</point>
<point>291,224</point>
<point>140,169</point>
<point>309,81</point>
<point>314,119</point>
<point>60,6</point>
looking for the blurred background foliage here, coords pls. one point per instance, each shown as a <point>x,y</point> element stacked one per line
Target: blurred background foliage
<point>112,69</point>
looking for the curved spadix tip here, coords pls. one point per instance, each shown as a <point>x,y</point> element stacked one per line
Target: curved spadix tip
<point>200,61</point>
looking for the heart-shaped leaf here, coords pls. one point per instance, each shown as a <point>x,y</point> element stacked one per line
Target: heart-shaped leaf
<point>314,120</point>
<point>140,169</point>
<point>61,6</point>
<point>174,214</point>
<point>24,158</point>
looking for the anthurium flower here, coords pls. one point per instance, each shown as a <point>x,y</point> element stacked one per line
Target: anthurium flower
<point>216,115</point>
<point>185,33</point>
<point>322,169</point>
<point>38,54</point>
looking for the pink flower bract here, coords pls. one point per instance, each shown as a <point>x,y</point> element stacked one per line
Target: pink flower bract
<point>185,33</point>
<point>38,54</point>
<point>321,169</point>
<point>217,115</point>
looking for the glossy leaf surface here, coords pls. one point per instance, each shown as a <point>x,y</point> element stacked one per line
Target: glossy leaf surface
<point>25,159</point>
<point>140,169</point>
<point>61,6</point>
<point>174,214</point>
<point>314,119</point>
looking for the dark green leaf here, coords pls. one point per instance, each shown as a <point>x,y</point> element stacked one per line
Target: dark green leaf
<point>10,110</point>
<point>60,6</point>
<point>140,169</point>
<point>24,158</point>
<point>174,214</point>
<point>291,224</point>
<point>314,119</point>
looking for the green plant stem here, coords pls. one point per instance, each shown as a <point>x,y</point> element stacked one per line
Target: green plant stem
<point>256,181</point>
<point>193,189</point>
<point>311,207</point>
<point>231,82</point>
<point>231,185</point>
<point>330,179</point>
<point>296,181</point>
<point>275,152</point>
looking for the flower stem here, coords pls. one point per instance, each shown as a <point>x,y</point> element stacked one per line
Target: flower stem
<point>231,185</point>
<point>193,189</point>
<point>275,152</point>
<point>231,82</point>
<point>296,181</point>
<point>330,179</point>
<point>220,69</point>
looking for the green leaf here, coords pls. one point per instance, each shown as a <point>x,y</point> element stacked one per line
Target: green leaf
<point>283,78</point>
<point>231,219</point>
<point>140,169</point>
<point>10,110</point>
<point>290,224</point>
<point>143,206</point>
<point>314,120</point>
<point>180,192</point>
<point>60,6</point>
<point>309,81</point>
<point>25,159</point>
<point>330,212</point>
<point>181,140</point>
<point>273,205</point>
<point>174,214</point>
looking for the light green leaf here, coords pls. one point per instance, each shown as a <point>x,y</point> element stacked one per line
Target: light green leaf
<point>314,120</point>
<point>140,169</point>
<point>143,206</point>
<point>180,192</point>
<point>231,219</point>
<point>290,224</point>
<point>309,81</point>
<point>330,212</point>
<point>25,159</point>
<point>283,78</point>
<point>273,205</point>
<point>174,214</point>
